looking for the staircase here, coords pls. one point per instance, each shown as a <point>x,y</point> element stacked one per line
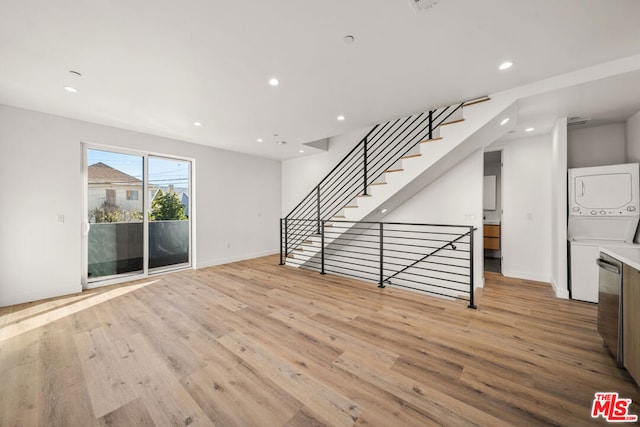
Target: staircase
<point>391,163</point>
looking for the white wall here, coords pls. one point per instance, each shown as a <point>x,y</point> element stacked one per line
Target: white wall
<point>300,176</point>
<point>526,222</point>
<point>596,146</point>
<point>238,200</point>
<point>632,129</point>
<point>455,199</point>
<point>559,279</point>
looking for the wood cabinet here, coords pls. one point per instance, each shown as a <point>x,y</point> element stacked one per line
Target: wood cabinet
<point>631,320</point>
<point>492,237</point>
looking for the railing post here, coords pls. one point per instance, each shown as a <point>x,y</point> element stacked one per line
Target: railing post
<point>430,124</point>
<point>365,166</point>
<point>318,204</point>
<point>381,284</point>
<point>322,249</point>
<point>471,280</point>
<point>286,238</point>
<point>281,240</point>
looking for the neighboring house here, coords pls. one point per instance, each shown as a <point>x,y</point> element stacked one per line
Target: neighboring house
<point>107,184</point>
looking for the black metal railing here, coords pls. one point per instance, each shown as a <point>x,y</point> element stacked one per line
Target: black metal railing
<point>431,258</point>
<point>376,153</point>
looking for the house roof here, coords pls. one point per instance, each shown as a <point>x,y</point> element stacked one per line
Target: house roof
<point>100,173</point>
<point>158,67</point>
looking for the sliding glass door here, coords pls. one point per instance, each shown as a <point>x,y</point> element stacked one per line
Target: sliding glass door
<point>115,204</point>
<point>138,210</point>
<point>169,225</point>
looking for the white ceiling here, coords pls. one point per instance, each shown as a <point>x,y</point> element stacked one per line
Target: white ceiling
<point>605,101</point>
<point>158,66</point>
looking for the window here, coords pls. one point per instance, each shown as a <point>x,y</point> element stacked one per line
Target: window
<point>132,194</point>
<point>111,196</point>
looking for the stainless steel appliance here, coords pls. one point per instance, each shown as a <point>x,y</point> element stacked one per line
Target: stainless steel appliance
<point>610,305</point>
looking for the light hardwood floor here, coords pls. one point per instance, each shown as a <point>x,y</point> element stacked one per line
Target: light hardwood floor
<point>254,343</point>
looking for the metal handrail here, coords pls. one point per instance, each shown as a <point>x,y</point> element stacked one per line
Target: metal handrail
<point>380,251</point>
<point>384,145</point>
<point>451,243</point>
<point>336,167</point>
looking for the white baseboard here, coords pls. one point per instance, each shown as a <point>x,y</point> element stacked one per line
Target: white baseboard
<point>227,260</point>
<point>526,276</point>
<point>560,293</point>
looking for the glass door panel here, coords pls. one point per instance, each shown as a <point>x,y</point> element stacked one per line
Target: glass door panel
<point>115,202</point>
<point>169,225</point>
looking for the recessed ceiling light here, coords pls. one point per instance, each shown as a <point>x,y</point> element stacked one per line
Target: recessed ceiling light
<point>529,129</point>
<point>340,118</point>
<point>505,65</point>
<point>70,89</point>
<point>301,151</point>
<point>197,124</point>
<point>274,82</point>
<point>504,121</point>
<point>348,39</point>
<point>383,210</point>
<point>259,140</point>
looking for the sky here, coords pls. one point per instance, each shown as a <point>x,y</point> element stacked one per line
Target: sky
<point>162,171</point>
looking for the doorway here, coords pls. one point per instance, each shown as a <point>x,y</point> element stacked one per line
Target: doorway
<point>138,215</point>
<point>492,211</point>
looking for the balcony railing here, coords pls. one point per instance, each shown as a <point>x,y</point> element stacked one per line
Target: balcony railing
<point>118,247</point>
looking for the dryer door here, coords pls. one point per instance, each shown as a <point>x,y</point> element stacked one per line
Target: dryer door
<point>610,191</point>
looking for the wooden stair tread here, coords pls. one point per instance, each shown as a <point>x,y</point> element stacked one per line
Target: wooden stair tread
<point>394,170</point>
<point>431,140</point>
<point>410,156</point>
<point>338,216</point>
<point>377,183</point>
<point>452,122</point>
<point>364,195</point>
<point>476,101</point>
<point>350,207</point>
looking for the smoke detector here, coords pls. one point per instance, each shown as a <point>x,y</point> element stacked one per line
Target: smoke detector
<point>422,5</point>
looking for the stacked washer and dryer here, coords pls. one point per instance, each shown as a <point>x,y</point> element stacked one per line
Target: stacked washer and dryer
<point>604,209</point>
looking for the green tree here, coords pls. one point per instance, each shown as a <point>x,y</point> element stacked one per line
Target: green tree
<point>167,206</point>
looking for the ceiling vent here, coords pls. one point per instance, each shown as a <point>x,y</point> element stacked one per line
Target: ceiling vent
<point>577,121</point>
<point>422,5</point>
